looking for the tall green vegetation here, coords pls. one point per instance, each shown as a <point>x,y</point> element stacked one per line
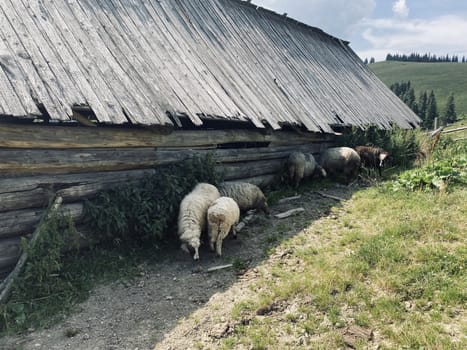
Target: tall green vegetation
<point>143,212</point>
<point>402,145</point>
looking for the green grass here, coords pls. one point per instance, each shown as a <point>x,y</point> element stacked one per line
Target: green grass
<point>442,78</point>
<point>394,262</point>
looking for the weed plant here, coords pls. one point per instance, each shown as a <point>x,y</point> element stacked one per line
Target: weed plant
<point>143,213</point>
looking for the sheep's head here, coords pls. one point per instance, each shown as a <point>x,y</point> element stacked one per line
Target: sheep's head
<point>192,245</point>
<point>382,157</point>
<point>320,171</point>
<point>262,203</point>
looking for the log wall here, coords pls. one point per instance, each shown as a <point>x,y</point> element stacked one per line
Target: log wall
<point>38,162</point>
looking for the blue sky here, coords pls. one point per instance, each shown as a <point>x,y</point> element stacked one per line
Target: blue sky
<point>377,27</point>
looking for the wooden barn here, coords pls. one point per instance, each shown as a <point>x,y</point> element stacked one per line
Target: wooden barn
<point>98,92</point>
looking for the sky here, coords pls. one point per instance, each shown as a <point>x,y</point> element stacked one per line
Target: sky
<point>378,27</point>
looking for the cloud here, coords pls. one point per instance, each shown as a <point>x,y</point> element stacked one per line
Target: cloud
<point>440,36</point>
<point>400,8</point>
<point>336,17</point>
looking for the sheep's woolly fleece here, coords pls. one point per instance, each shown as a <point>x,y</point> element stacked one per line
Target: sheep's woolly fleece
<point>192,215</point>
<point>247,196</point>
<point>223,215</point>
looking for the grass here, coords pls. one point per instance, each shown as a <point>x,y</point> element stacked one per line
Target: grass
<point>393,263</point>
<point>442,78</point>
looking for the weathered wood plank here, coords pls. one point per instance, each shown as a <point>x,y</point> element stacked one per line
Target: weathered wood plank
<point>54,161</point>
<point>42,136</point>
<point>9,253</point>
<point>23,60</point>
<point>233,171</point>
<point>36,191</point>
<point>19,222</point>
<point>24,36</point>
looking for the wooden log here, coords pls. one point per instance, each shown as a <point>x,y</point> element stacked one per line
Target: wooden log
<point>35,191</point>
<point>52,161</point>
<point>454,130</point>
<point>288,199</point>
<point>48,137</point>
<point>9,253</point>
<point>18,222</point>
<point>244,170</point>
<point>329,196</point>
<point>288,213</point>
<point>261,181</point>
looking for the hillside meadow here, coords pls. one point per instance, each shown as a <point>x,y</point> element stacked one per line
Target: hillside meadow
<point>442,78</point>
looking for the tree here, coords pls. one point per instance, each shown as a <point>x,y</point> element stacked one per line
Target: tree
<point>449,115</point>
<point>372,60</point>
<point>431,112</point>
<point>422,105</point>
<point>366,61</point>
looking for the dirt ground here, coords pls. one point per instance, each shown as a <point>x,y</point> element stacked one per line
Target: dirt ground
<point>176,303</point>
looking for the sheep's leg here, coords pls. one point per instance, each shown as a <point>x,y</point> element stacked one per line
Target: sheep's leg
<point>196,256</point>
<point>212,233</point>
<point>234,231</point>
<point>219,246</point>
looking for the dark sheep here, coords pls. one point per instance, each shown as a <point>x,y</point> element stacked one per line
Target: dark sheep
<point>372,157</point>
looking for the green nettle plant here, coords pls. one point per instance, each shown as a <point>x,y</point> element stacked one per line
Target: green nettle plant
<point>143,212</point>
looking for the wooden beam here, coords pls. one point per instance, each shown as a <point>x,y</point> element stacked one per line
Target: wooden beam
<point>49,137</point>
<point>55,161</point>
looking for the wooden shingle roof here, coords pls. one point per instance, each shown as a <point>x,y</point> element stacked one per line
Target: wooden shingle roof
<point>141,61</point>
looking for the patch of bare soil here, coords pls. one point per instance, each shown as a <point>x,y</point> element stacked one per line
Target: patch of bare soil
<point>176,303</point>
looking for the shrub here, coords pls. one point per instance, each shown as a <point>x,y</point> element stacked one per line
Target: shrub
<point>143,212</point>
<point>402,145</point>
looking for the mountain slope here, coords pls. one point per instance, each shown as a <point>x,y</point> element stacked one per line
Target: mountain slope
<point>442,78</point>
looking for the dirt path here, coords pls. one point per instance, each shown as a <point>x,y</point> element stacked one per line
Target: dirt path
<point>176,303</point>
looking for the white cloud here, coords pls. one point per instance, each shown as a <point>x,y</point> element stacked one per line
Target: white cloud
<point>440,36</point>
<point>336,17</point>
<point>400,8</point>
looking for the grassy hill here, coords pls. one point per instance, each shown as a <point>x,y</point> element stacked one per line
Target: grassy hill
<point>442,78</point>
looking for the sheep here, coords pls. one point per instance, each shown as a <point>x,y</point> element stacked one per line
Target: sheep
<point>223,215</point>
<point>192,216</point>
<point>247,196</point>
<point>301,166</point>
<point>372,157</point>
<point>341,160</point>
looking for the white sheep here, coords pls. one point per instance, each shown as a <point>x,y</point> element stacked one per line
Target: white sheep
<point>301,166</point>
<point>192,216</point>
<point>223,215</point>
<point>247,196</point>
